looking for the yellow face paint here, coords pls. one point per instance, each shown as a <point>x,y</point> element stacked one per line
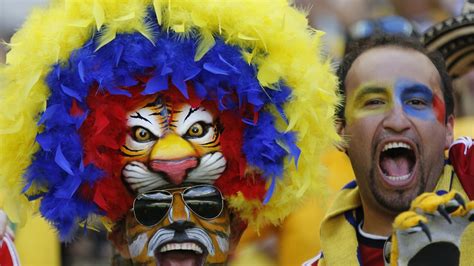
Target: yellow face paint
<point>368,99</point>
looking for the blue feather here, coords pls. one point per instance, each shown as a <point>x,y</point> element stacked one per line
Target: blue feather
<point>214,69</point>
<point>156,84</point>
<point>46,141</point>
<point>233,68</point>
<point>80,69</point>
<point>71,92</point>
<point>48,113</point>
<point>178,80</point>
<point>68,188</point>
<point>270,191</point>
<point>62,161</point>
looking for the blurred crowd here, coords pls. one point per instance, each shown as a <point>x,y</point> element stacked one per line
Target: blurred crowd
<point>341,21</point>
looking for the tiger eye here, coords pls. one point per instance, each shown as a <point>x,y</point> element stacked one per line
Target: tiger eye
<point>196,130</point>
<point>141,134</point>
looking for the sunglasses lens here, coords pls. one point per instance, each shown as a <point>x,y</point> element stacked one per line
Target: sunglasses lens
<point>205,201</point>
<point>151,208</point>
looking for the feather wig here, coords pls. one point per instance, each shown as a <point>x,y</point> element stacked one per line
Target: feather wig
<point>74,66</point>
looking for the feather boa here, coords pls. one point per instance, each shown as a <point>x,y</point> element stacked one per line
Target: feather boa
<point>256,60</point>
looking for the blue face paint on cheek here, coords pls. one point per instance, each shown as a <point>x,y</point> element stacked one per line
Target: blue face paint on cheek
<point>416,99</point>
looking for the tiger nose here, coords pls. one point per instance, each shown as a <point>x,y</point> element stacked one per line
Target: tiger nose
<point>173,156</point>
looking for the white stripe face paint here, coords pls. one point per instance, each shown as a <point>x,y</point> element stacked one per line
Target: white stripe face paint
<point>160,237</point>
<point>136,247</point>
<point>223,243</point>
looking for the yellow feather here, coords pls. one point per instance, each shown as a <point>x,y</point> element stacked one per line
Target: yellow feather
<point>178,28</point>
<point>80,23</point>
<point>99,15</point>
<point>246,37</point>
<point>206,42</point>
<point>157,6</point>
<point>127,17</point>
<point>11,126</point>
<point>108,36</point>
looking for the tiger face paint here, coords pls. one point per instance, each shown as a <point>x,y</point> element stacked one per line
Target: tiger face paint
<point>170,142</point>
<point>180,238</point>
<point>415,99</point>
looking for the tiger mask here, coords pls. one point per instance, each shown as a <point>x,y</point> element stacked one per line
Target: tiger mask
<point>170,142</point>
<point>172,148</point>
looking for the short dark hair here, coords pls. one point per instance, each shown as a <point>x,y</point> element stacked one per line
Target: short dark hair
<point>356,48</point>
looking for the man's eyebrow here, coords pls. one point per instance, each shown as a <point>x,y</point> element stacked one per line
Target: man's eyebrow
<point>369,90</point>
<point>417,87</point>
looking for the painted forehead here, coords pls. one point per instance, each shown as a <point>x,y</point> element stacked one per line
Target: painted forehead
<point>387,64</point>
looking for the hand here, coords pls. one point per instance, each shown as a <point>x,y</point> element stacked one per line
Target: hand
<point>430,232</point>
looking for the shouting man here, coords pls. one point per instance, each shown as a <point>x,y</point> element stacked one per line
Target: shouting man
<point>397,120</point>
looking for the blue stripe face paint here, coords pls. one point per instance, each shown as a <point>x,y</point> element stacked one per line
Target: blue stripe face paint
<point>418,100</point>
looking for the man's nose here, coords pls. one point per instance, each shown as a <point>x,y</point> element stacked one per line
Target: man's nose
<point>179,211</point>
<point>396,119</point>
<point>181,226</point>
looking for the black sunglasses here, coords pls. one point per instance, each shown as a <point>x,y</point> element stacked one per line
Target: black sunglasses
<point>151,208</point>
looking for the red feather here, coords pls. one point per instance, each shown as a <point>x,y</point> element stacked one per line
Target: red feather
<point>75,109</point>
<point>104,132</point>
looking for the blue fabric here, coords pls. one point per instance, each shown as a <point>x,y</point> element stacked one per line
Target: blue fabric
<point>350,185</point>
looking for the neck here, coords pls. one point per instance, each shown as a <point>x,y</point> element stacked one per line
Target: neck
<point>377,222</point>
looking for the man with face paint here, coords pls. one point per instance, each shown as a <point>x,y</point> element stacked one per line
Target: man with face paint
<point>397,120</point>
<point>176,123</point>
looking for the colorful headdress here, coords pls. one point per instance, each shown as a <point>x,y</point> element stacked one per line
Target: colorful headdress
<point>75,68</point>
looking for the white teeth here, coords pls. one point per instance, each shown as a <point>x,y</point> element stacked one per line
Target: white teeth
<point>182,246</point>
<point>394,145</point>
<point>398,178</point>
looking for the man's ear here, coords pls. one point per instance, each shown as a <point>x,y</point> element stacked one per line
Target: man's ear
<point>341,131</point>
<point>119,239</point>
<point>449,131</point>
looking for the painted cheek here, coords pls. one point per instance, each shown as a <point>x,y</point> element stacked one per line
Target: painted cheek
<point>426,114</point>
<point>409,92</point>
<point>137,238</point>
<point>219,231</point>
<point>357,110</point>
<point>439,109</point>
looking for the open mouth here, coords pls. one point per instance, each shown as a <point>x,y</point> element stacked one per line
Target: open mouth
<point>397,163</point>
<point>183,254</point>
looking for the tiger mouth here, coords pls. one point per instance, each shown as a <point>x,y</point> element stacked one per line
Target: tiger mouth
<point>185,253</point>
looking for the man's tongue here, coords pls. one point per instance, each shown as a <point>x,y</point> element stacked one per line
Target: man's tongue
<point>395,166</point>
<point>179,257</point>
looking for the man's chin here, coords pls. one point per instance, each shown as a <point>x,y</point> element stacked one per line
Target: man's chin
<point>180,257</point>
<point>394,199</point>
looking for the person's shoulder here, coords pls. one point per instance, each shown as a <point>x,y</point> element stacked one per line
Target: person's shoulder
<point>313,261</point>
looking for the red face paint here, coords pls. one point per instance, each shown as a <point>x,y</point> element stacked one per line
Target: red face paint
<point>439,109</point>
